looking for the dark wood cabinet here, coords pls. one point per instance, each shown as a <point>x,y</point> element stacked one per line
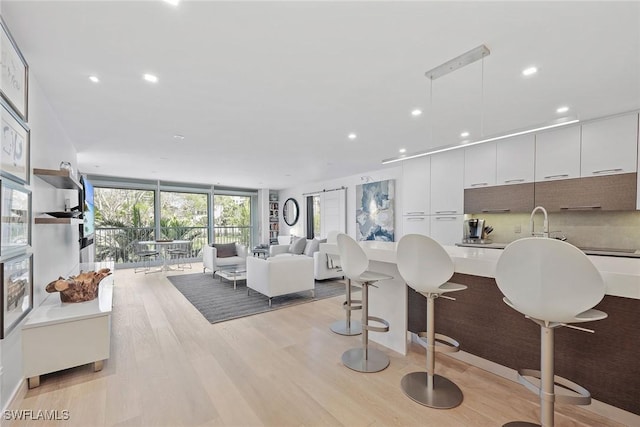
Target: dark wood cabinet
<point>500,199</point>
<point>598,193</point>
<point>603,193</point>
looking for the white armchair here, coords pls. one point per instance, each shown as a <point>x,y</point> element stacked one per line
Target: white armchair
<point>211,261</point>
<point>277,276</point>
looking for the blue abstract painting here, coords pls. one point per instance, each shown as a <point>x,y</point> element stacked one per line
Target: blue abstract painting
<point>374,211</point>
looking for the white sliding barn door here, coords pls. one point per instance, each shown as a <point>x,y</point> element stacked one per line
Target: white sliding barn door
<point>333,208</point>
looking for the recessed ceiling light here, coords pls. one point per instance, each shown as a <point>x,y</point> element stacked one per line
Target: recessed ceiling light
<point>563,109</point>
<point>94,79</point>
<point>352,136</point>
<point>172,2</point>
<point>402,150</point>
<point>529,71</point>
<point>178,137</point>
<point>150,78</point>
<point>416,112</point>
<point>464,134</point>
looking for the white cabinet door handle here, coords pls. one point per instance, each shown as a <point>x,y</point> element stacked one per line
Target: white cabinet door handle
<point>416,218</point>
<point>563,175</point>
<point>514,180</point>
<point>415,213</point>
<point>480,184</point>
<point>607,171</point>
<point>445,218</point>
<point>446,212</point>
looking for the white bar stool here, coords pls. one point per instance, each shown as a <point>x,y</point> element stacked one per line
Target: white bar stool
<point>354,265</point>
<point>552,283</point>
<point>347,326</point>
<point>426,267</point>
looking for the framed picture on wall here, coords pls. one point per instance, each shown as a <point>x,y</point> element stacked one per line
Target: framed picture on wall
<point>15,208</point>
<point>17,291</point>
<point>14,146</point>
<point>14,75</point>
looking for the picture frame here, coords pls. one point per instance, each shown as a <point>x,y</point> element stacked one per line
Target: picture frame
<point>15,147</point>
<point>15,218</point>
<point>14,74</point>
<point>16,275</point>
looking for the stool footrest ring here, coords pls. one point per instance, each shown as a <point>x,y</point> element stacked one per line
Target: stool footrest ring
<point>583,396</point>
<point>353,306</point>
<point>384,328</point>
<point>443,343</point>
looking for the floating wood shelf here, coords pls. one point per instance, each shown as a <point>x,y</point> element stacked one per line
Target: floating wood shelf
<point>58,178</point>
<point>52,220</point>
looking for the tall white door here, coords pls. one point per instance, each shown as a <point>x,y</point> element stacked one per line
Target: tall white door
<point>333,208</point>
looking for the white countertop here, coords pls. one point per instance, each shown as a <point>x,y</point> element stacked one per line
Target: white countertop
<point>53,311</point>
<point>621,275</point>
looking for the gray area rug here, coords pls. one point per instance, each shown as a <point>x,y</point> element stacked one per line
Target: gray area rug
<point>218,301</point>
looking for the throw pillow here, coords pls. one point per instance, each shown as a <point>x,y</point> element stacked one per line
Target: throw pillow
<point>313,246</point>
<point>225,250</point>
<point>297,245</point>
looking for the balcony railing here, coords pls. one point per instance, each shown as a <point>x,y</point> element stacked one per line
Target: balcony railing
<point>120,245</point>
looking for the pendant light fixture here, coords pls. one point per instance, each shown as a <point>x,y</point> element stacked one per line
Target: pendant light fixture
<point>478,53</point>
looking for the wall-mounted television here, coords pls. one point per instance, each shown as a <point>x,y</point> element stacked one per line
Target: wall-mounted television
<point>87,229</point>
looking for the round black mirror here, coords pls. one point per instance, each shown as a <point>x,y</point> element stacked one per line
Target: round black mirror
<point>290,212</point>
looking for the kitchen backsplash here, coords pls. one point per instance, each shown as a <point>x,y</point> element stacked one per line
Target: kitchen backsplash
<point>615,230</point>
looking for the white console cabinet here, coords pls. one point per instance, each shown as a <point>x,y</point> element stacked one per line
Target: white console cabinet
<point>61,335</point>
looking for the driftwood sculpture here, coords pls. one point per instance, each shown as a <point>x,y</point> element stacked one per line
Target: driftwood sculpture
<point>83,287</point>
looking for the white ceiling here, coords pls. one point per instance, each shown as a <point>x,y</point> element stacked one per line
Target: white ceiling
<point>266,93</point>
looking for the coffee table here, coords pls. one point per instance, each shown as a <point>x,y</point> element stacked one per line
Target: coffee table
<point>233,273</point>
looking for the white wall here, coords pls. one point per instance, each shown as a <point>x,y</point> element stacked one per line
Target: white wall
<point>350,182</point>
<point>55,247</point>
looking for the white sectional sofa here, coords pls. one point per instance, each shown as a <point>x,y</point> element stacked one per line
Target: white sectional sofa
<point>282,275</point>
<point>321,269</point>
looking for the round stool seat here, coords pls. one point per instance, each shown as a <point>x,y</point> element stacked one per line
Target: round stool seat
<point>425,265</point>
<point>549,280</point>
<point>371,276</point>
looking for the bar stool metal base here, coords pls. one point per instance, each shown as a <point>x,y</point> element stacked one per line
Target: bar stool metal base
<point>340,327</point>
<point>375,362</point>
<point>445,394</point>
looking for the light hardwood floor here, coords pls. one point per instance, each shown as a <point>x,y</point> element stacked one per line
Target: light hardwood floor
<point>170,367</point>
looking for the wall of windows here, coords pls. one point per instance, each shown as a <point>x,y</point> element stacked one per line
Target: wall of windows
<point>128,212</point>
<point>123,217</point>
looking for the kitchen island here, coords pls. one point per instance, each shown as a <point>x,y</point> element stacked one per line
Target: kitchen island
<point>493,335</point>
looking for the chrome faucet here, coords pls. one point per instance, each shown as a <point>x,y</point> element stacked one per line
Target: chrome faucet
<point>545,224</point>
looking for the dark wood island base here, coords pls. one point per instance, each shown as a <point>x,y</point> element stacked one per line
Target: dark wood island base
<point>606,362</point>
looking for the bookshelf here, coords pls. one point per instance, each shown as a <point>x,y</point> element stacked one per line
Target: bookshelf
<point>274,219</point>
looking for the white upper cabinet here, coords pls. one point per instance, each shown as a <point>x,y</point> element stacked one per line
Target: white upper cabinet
<point>447,182</point>
<point>515,160</point>
<point>416,186</point>
<point>416,225</point>
<point>480,165</point>
<point>446,229</point>
<point>558,154</point>
<point>610,146</point>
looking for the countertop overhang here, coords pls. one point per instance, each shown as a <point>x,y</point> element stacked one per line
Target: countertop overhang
<point>588,251</point>
<point>621,274</point>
